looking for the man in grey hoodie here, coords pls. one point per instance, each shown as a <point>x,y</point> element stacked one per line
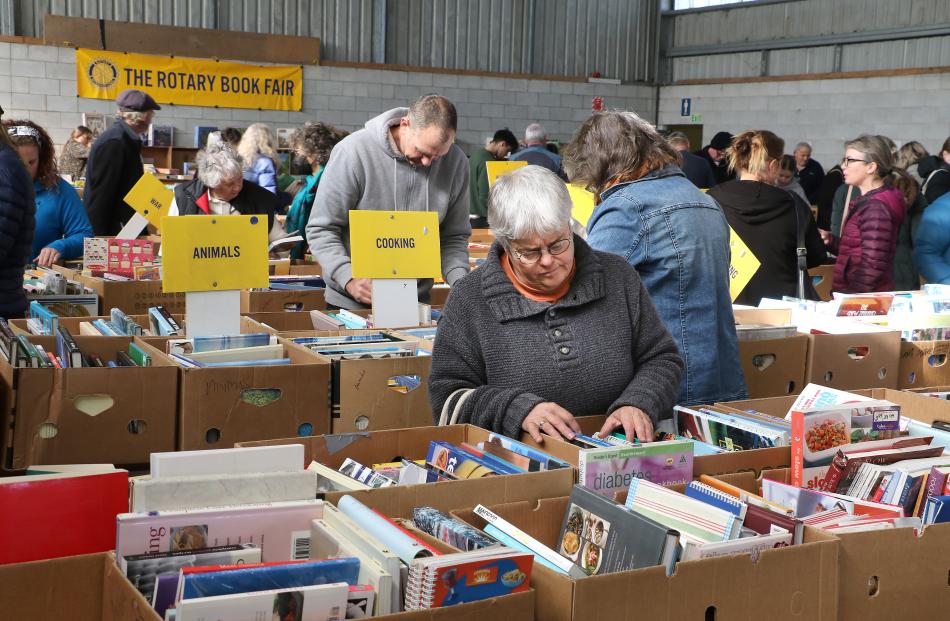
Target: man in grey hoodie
<point>404,160</point>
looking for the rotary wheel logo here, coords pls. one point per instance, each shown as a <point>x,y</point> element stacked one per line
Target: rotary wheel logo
<point>103,73</point>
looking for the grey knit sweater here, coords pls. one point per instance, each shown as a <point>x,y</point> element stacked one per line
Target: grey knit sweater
<point>601,347</point>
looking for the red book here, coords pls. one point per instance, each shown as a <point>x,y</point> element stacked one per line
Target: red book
<point>410,534</point>
<point>61,514</point>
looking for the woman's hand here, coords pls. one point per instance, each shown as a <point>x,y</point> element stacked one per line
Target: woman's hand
<point>634,421</point>
<point>825,236</point>
<point>552,419</point>
<point>47,257</point>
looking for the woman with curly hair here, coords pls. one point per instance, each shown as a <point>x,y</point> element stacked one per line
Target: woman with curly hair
<point>258,149</point>
<point>61,220</point>
<point>312,142</point>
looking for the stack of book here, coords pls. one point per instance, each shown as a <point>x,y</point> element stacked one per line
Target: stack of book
<point>499,455</point>
<point>730,430</point>
<point>21,352</point>
<point>360,346</point>
<point>239,350</point>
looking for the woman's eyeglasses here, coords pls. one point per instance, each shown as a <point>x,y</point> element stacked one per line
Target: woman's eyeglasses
<point>533,256</point>
<point>849,160</point>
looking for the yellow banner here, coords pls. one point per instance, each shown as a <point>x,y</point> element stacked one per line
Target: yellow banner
<point>395,244</point>
<point>214,253</point>
<point>743,265</point>
<point>189,81</point>
<point>150,198</point>
<point>503,167</point>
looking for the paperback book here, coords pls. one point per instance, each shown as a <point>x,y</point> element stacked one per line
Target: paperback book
<point>609,470</point>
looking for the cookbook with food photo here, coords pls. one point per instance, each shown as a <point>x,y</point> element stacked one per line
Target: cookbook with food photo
<point>819,433</point>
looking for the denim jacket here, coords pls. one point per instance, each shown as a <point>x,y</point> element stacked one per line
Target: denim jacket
<point>678,240</point>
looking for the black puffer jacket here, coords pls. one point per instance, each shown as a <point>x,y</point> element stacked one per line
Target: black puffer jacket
<point>936,175</point>
<point>17,222</point>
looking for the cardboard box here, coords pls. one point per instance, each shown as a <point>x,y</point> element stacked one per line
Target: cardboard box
<point>514,607</point>
<point>280,300</point>
<point>220,406</point>
<point>90,415</point>
<point>822,278</point>
<point>439,294</point>
<point>482,236</point>
<point>375,447</point>
<point>887,574</point>
<point>299,267</point>
<point>361,397</point>
<point>80,588</point>
<point>924,363</point>
<point>849,361</point>
<point>285,323</point>
<point>72,323</point>
<point>134,297</point>
<point>796,582</point>
<point>738,461</point>
<point>772,367</point>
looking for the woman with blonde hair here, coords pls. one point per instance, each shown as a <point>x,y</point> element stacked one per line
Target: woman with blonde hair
<point>258,149</point>
<point>769,219</point>
<point>869,230</point>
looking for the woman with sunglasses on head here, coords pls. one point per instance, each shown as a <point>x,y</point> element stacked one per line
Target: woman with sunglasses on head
<point>61,220</point>
<point>549,329</point>
<point>868,242</point>
<point>17,211</point>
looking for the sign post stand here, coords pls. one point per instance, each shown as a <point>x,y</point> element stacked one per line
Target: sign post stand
<point>394,248</point>
<point>210,259</point>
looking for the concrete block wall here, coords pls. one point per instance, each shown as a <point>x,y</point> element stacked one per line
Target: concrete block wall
<point>825,113</point>
<point>39,82</point>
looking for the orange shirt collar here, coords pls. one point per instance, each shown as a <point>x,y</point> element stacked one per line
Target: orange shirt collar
<point>536,295</point>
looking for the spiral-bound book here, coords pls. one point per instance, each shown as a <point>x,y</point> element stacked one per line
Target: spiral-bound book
<point>692,518</point>
<point>438,581</point>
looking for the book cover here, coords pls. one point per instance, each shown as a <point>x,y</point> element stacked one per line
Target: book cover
<point>446,457</point>
<point>321,602</point>
<point>746,545</point>
<point>95,253</point>
<point>361,473</point>
<point>603,537</point>
<point>360,601</point>
<point>452,531</point>
<point>269,576</point>
<point>161,135</point>
<point>546,461</point>
<point>328,542</point>
<point>201,135</point>
<point>143,570</point>
<point>453,579</point>
<point>87,503</point>
<point>692,518</point>
<point>819,433</point>
<point>609,470</point>
<point>732,432</point>
<point>282,529</point>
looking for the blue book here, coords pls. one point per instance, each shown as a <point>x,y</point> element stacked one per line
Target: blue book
<point>201,135</point>
<point>266,362</point>
<point>48,319</point>
<point>712,496</point>
<point>234,341</point>
<point>121,322</point>
<point>497,464</point>
<point>524,450</point>
<point>937,510</point>
<point>262,578</point>
<point>495,533</point>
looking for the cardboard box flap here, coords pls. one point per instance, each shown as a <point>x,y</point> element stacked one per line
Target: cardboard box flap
<point>516,607</point>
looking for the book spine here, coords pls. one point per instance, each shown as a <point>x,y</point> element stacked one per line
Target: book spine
<point>798,449</point>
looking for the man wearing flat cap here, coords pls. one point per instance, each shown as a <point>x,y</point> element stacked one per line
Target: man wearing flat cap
<point>715,154</point>
<point>115,163</point>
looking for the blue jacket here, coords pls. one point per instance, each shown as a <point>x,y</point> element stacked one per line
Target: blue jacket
<point>17,213</point>
<point>540,156</point>
<point>263,172</point>
<point>300,211</point>
<point>61,220</point>
<point>678,239</point>
<point>932,243</point>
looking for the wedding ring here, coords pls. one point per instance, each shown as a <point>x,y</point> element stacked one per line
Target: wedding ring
<point>542,424</point>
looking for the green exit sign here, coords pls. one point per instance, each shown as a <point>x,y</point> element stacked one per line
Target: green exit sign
<point>696,118</point>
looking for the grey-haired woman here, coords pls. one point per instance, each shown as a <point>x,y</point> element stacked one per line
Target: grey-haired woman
<point>549,329</point>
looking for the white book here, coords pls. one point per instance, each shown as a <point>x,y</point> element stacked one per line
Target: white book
<point>328,542</point>
<point>363,474</point>
<point>281,458</point>
<point>370,546</point>
<point>282,529</point>
<point>220,490</point>
<point>322,602</point>
<point>329,480</point>
<point>745,545</point>
<point>530,542</point>
<point>241,354</point>
<point>817,396</point>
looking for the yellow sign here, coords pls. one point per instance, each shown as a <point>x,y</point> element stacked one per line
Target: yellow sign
<point>742,267</point>
<point>503,167</point>
<point>150,198</point>
<point>189,81</point>
<point>395,244</point>
<point>214,253</point>
<point>583,203</point>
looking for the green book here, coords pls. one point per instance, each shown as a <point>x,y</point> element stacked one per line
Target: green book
<point>138,355</point>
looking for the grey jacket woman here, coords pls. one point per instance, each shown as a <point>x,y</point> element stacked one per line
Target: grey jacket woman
<point>599,348</point>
